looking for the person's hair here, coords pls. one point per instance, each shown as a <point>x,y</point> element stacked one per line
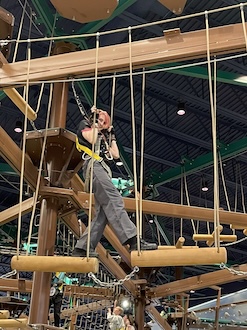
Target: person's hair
<point>130,318</point>
<point>120,309</point>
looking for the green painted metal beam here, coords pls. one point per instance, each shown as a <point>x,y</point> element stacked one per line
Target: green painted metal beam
<point>96,25</point>
<point>191,166</point>
<point>6,169</point>
<point>2,95</point>
<point>45,15</point>
<point>202,73</point>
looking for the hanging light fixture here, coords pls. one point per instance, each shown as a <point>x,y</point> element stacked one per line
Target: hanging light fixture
<point>181,108</point>
<point>204,185</point>
<point>18,126</point>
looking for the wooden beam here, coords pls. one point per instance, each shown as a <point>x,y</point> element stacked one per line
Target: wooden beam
<point>178,210</point>
<point>16,98</point>
<point>198,282</point>
<point>155,315</point>
<point>19,101</point>
<point>12,212</point>
<point>83,309</point>
<point>150,52</point>
<point>71,221</point>
<point>13,323</point>
<point>85,291</point>
<point>13,155</point>
<point>15,285</point>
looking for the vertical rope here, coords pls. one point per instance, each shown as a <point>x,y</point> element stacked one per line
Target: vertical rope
<point>213,118</point>
<point>19,31</point>
<point>113,96</point>
<point>181,200</point>
<point>142,146</point>
<point>243,23</point>
<point>224,183</point>
<point>134,140</point>
<point>26,92</point>
<point>217,188</point>
<point>188,202</point>
<point>42,156</point>
<point>242,190</point>
<point>93,145</point>
<point>49,53</point>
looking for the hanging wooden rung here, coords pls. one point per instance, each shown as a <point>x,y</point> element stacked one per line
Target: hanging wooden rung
<point>236,227</point>
<point>168,247</point>
<point>178,257</point>
<point>13,323</point>
<point>207,237</point>
<point>180,242</point>
<point>223,238</point>
<point>55,264</point>
<point>4,314</point>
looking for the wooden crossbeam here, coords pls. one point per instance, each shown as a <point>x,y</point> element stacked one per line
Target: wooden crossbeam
<point>156,316</point>
<point>82,291</point>
<point>83,309</point>
<point>218,277</point>
<point>150,52</point>
<point>13,155</point>
<point>14,323</point>
<point>15,285</point>
<point>12,212</point>
<point>177,210</point>
<point>19,101</point>
<point>16,98</point>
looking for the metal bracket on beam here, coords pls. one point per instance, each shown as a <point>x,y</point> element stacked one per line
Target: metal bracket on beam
<point>173,35</point>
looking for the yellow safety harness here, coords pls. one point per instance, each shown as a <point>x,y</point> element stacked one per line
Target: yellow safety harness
<point>94,156</point>
<point>88,151</point>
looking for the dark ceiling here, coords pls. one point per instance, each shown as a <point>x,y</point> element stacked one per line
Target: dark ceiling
<point>172,142</point>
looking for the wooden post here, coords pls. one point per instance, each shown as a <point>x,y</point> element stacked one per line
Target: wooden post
<point>217,310</point>
<point>42,280</point>
<point>140,311</point>
<point>39,307</point>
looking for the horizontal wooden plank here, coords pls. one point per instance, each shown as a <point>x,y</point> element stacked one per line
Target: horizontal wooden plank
<point>145,53</point>
<point>177,210</point>
<point>198,282</point>
<point>13,155</point>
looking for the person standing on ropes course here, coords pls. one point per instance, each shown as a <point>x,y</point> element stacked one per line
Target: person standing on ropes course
<point>109,205</point>
<point>56,296</point>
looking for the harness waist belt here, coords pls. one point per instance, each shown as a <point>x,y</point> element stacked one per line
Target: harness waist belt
<point>88,151</point>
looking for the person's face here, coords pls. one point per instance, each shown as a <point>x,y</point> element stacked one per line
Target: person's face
<point>117,311</point>
<point>101,121</point>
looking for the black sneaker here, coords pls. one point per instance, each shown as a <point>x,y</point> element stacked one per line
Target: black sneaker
<point>83,253</point>
<point>144,246</point>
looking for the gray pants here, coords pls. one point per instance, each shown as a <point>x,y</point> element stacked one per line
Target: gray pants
<point>109,208</point>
